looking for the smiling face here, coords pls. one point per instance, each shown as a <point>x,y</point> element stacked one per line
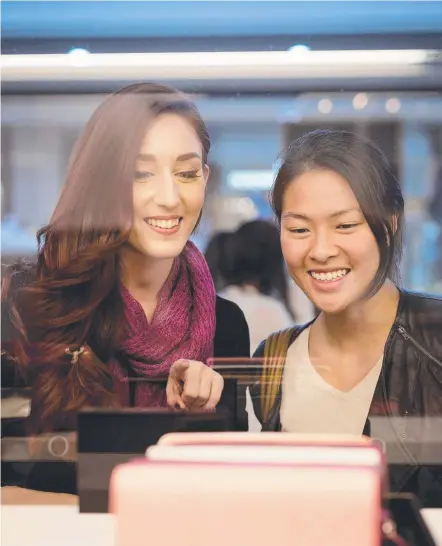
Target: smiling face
<point>328,246</point>
<point>169,188</point>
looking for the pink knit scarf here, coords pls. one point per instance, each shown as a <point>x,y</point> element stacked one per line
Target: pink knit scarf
<point>183,326</point>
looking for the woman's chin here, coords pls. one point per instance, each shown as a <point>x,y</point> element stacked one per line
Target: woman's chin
<point>332,297</point>
<point>158,250</point>
<point>162,250</point>
<point>330,303</point>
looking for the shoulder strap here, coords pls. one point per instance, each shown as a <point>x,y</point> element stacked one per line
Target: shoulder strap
<point>275,352</point>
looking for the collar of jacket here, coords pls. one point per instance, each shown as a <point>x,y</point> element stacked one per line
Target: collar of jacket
<point>413,314</point>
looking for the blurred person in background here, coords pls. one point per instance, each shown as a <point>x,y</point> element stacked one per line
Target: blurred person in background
<point>118,292</point>
<point>214,254</point>
<point>371,362</point>
<point>252,266</point>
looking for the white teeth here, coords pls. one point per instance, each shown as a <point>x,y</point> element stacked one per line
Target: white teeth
<point>163,224</point>
<point>330,275</point>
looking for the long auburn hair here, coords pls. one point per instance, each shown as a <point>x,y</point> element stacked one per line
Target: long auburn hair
<point>75,298</point>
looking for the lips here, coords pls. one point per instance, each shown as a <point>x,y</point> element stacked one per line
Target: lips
<point>328,281</point>
<point>164,225</point>
<point>329,275</point>
<point>163,222</point>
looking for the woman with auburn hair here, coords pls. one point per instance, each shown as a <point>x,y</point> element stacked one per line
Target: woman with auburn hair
<point>119,292</point>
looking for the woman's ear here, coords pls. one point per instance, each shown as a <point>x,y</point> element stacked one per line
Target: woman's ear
<point>206,173</point>
<point>393,226</point>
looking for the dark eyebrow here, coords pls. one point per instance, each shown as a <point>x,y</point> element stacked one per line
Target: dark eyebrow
<point>146,157</point>
<point>345,211</point>
<point>296,216</point>
<point>183,157</point>
<point>304,217</point>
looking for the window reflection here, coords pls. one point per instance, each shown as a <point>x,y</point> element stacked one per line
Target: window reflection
<point>248,132</point>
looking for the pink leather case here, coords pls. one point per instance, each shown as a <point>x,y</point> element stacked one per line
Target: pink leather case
<point>316,498</point>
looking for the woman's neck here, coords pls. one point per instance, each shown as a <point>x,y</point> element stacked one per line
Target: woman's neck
<point>366,320</point>
<point>143,276</point>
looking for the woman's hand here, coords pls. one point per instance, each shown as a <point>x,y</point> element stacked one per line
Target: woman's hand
<point>193,385</point>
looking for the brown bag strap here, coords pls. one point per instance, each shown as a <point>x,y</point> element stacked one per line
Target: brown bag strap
<point>275,352</point>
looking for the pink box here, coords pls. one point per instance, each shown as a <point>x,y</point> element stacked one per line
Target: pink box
<point>262,438</point>
<point>303,495</point>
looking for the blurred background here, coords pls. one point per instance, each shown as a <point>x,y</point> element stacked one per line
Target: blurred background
<point>262,73</point>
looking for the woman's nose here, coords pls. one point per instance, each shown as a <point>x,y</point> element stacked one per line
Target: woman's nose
<point>166,192</point>
<point>323,248</point>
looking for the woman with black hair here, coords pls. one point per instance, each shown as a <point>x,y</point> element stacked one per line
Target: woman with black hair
<point>371,361</point>
<point>252,266</point>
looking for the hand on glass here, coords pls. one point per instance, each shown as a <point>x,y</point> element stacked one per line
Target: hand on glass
<point>193,385</point>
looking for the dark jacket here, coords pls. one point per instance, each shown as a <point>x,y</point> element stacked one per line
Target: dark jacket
<point>407,404</point>
<point>231,341</point>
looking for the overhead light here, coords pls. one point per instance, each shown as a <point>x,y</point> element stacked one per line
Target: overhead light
<point>250,180</point>
<point>78,51</point>
<point>299,48</point>
<point>393,105</point>
<point>215,65</point>
<point>325,106</point>
<point>360,101</point>
<point>78,57</point>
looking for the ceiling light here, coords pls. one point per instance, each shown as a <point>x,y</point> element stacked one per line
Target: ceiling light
<point>214,65</point>
<point>360,101</point>
<point>250,180</point>
<point>393,105</point>
<point>325,106</point>
<point>78,57</point>
<point>299,48</point>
